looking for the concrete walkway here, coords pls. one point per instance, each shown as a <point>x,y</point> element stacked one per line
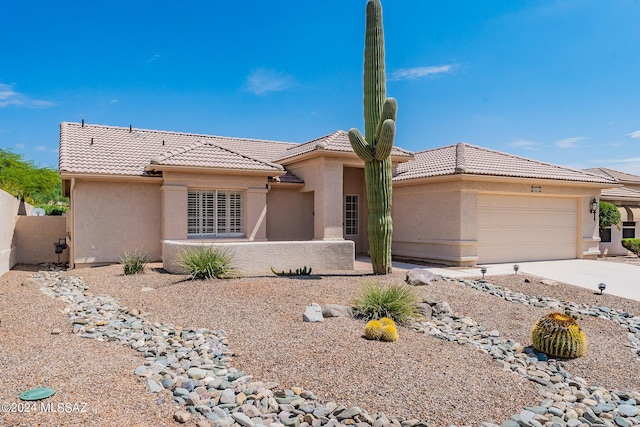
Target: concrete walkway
<point>621,279</point>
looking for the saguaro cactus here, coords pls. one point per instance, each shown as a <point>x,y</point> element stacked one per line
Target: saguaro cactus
<point>375,147</point>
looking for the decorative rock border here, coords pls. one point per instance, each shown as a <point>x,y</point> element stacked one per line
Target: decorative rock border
<point>193,367</point>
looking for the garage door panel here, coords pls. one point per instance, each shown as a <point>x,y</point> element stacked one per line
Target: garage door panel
<point>520,228</point>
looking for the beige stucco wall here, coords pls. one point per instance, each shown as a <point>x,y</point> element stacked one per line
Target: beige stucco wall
<point>615,248</point>
<point>257,258</point>
<point>354,184</point>
<point>437,220</point>
<point>323,176</point>
<point>8,215</point>
<point>35,237</point>
<point>110,218</point>
<point>289,214</point>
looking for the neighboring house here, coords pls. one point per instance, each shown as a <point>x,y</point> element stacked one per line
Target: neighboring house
<point>460,205</point>
<point>627,200</point>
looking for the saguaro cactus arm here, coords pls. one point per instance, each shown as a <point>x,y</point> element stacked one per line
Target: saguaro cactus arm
<point>359,145</point>
<point>385,143</point>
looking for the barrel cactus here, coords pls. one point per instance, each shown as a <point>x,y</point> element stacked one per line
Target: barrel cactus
<point>375,147</point>
<point>373,330</point>
<point>389,331</point>
<point>559,335</point>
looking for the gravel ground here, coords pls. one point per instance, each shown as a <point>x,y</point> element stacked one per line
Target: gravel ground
<point>417,377</point>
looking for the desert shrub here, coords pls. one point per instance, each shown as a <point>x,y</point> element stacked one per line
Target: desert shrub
<point>397,302</point>
<point>632,245</point>
<point>206,262</point>
<point>559,335</point>
<point>134,262</point>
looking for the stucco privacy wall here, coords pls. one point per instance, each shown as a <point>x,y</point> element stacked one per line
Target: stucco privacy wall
<point>35,237</point>
<point>289,214</point>
<point>257,258</point>
<point>115,217</point>
<point>437,219</point>
<point>8,215</point>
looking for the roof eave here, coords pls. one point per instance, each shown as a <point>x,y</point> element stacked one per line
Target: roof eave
<point>501,178</point>
<point>334,153</point>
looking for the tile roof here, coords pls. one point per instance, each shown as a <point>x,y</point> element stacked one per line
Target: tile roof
<point>337,141</point>
<point>464,158</point>
<point>207,155</point>
<point>620,176</point>
<point>121,151</point>
<point>288,178</point>
<point>620,193</point>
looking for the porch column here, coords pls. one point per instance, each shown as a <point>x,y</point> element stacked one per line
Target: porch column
<point>328,204</point>
<point>256,214</point>
<point>174,212</point>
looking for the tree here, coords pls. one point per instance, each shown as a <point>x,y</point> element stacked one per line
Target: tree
<point>375,147</point>
<point>609,215</point>
<point>38,186</point>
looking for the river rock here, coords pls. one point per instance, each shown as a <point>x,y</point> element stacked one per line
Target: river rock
<point>420,277</point>
<point>313,313</point>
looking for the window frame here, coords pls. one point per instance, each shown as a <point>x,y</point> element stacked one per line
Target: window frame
<point>218,213</point>
<point>351,221</point>
<point>628,230</point>
<point>605,233</point>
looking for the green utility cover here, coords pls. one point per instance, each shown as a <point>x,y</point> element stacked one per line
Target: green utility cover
<point>37,393</point>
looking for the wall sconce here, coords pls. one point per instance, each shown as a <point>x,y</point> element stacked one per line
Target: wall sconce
<point>594,208</point>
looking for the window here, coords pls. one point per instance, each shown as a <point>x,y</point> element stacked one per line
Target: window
<point>628,230</point>
<point>214,214</point>
<point>605,236</point>
<point>351,215</point>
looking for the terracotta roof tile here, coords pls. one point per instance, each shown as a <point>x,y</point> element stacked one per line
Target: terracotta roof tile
<point>621,193</point>
<point>620,176</point>
<point>288,178</point>
<point>207,155</point>
<point>337,141</point>
<point>464,158</point>
<point>119,151</point>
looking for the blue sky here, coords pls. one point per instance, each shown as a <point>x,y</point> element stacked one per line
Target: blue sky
<point>557,81</point>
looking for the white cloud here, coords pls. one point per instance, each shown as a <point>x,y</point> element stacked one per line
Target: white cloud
<point>9,97</point>
<point>420,72</point>
<point>20,146</point>
<point>635,134</point>
<point>525,144</point>
<point>569,142</point>
<point>41,148</point>
<point>114,101</point>
<point>263,81</point>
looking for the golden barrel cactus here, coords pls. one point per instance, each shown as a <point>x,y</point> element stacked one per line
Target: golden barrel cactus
<point>389,331</point>
<point>559,335</point>
<point>373,330</point>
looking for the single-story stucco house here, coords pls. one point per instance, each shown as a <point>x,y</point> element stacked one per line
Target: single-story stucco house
<point>287,205</point>
<point>627,200</point>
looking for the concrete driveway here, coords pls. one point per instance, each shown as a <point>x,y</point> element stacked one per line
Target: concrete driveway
<point>621,279</point>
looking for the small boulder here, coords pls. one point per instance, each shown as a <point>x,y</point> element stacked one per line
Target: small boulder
<point>442,309</point>
<point>182,416</point>
<point>424,309</point>
<point>549,282</point>
<point>30,282</point>
<point>431,299</point>
<point>420,277</point>
<point>336,310</point>
<point>313,313</point>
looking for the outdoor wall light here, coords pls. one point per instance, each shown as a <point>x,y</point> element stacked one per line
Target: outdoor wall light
<point>602,287</point>
<point>483,270</point>
<point>516,268</point>
<point>594,208</point>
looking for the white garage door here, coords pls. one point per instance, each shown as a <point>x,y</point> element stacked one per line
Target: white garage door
<point>525,228</point>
